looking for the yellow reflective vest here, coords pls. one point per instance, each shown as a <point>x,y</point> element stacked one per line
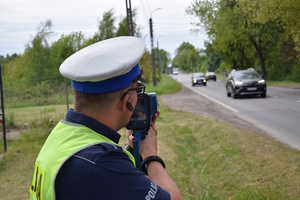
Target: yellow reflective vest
<point>65,140</point>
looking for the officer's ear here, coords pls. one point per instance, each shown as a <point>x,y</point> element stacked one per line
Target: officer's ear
<point>124,104</point>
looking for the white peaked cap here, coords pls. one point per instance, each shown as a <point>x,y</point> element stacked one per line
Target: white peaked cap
<point>105,66</point>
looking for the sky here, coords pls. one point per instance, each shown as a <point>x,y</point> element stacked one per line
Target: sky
<point>19,20</point>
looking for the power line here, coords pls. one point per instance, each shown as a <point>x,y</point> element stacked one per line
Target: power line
<point>172,24</point>
<point>148,8</point>
<point>145,11</point>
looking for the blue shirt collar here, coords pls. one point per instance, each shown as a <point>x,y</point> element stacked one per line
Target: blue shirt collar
<point>78,118</point>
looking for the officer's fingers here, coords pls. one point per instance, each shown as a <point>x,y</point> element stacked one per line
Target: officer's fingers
<point>154,118</point>
<point>128,133</point>
<point>154,129</point>
<point>131,137</point>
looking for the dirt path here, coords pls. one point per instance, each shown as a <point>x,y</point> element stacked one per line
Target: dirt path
<point>188,101</point>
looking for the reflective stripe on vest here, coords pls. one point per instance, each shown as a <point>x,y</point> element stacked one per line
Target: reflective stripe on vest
<point>65,140</point>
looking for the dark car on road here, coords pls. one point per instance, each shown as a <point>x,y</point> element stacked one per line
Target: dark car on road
<point>245,82</point>
<point>211,76</point>
<point>198,79</point>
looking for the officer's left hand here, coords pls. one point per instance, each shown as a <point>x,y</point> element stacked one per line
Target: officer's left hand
<point>129,132</point>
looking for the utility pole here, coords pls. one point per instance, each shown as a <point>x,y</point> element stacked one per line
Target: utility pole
<point>152,52</point>
<point>129,18</point>
<point>2,114</point>
<point>152,55</point>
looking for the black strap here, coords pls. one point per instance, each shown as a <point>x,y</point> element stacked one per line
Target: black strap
<point>128,148</point>
<point>150,159</point>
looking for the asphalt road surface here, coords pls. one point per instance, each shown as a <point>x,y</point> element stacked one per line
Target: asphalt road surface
<point>277,115</point>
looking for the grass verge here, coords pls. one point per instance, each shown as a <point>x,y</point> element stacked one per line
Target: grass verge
<point>207,159</point>
<point>288,84</point>
<point>166,86</point>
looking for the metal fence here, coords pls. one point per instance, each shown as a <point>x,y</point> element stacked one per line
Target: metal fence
<point>42,106</point>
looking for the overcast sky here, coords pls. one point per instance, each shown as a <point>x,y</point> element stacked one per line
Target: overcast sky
<point>19,20</point>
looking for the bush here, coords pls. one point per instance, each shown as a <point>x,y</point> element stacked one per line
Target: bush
<point>295,73</point>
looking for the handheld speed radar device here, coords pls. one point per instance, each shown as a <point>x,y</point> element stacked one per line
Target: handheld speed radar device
<point>145,109</point>
<point>140,121</point>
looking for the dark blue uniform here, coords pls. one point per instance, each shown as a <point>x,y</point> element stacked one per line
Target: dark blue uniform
<point>103,171</point>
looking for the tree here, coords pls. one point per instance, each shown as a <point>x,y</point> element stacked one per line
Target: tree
<point>165,59</point>
<point>38,52</point>
<point>106,28</point>
<point>236,32</point>
<point>122,28</point>
<point>285,13</point>
<point>64,47</point>
<point>162,59</point>
<point>186,57</point>
<point>145,64</point>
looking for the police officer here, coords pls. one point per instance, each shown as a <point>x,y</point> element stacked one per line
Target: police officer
<point>81,158</point>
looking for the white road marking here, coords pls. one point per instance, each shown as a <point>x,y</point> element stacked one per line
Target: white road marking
<point>212,99</point>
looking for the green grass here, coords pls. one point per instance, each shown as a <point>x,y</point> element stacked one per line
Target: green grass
<point>166,86</point>
<point>16,166</point>
<point>35,114</point>
<point>284,84</point>
<point>211,160</point>
<point>207,159</point>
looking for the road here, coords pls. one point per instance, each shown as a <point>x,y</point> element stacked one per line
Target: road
<point>278,114</point>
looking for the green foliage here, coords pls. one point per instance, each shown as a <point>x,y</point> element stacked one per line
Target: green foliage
<point>295,73</point>
<point>224,67</point>
<point>162,59</point>
<point>167,85</point>
<point>186,57</point>
<point>33,78</point>
<point>10,120</point>
<point>145,64</point>
<point>259,34</point>
<point>286,13</point>
<point>38,53</point>
<point>65,46</point>
<point>106,26</point>
<point>213,59</point>
<point>122,28</point>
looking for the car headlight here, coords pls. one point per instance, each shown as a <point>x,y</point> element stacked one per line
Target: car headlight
<point>195,80</point>
<point>261,81</point>
<point>204,80</point>
<point>239,83</point>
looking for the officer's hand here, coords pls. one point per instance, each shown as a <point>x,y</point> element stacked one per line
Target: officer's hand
<point>129,138</point>
<point>149,144</point>
<point>154,118</point>
<point>129,132</point>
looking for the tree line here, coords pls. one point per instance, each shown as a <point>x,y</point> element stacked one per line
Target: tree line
<point>259,34</point>
<point>36,71</point>
<point>242,34</point>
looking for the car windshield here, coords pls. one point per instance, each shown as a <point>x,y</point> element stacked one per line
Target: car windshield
<point>198,75</point>
<point>246,74</point>
<point>210,73</point>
